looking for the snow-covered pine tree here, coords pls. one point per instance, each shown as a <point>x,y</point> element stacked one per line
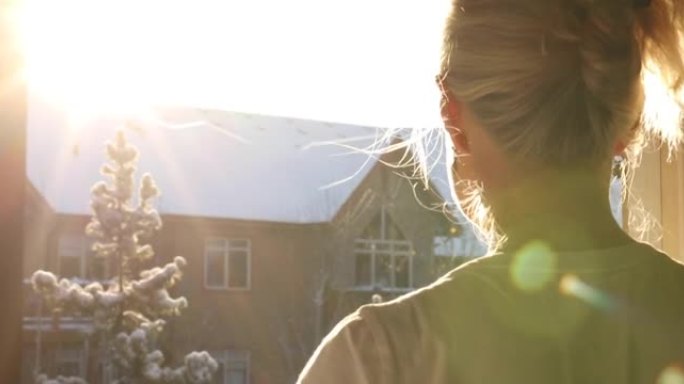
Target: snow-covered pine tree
<point>128,311</point>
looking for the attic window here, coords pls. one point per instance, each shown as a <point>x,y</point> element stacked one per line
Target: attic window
<point>383,257</point>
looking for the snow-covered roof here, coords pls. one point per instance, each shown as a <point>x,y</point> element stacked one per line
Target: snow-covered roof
<point>208,163</point>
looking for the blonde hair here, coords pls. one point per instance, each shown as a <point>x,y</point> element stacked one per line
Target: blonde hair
<point>561,81</point>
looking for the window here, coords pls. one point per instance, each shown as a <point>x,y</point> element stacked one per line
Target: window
<point>70,361</point>
<point>383,257</point>
<point>76,258</point>
<point>454,245</point>
<point>233,367</point>
<point>71,254</point>
<point>448,253</point>
<point>227,263</point>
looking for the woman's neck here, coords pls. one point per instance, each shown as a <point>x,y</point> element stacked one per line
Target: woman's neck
<point>569,211</point>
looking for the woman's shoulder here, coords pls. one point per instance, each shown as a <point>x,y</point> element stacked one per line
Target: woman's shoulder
<point>420,312</point>
<point>388,342</point>
<point>410,335</point>
<point>639,261</point>
<point>459,295</point>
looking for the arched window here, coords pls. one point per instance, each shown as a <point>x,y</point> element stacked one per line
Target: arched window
<point>383,257</point>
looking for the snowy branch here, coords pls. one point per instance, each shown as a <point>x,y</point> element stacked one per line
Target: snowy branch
<point>149,295</point>
<point>136,358</point>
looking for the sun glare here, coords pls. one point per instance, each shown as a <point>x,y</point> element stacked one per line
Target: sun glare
<point>355,61</point>
<point>661,111</point>
<point>90,57</point>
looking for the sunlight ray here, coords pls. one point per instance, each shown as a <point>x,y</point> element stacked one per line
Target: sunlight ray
<point>161,148</point>
<point>200,124</point>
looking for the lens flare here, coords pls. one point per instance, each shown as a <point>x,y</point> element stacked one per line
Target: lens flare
<point>673,374</point>
<point>533,267</point>
<point>571,285</point>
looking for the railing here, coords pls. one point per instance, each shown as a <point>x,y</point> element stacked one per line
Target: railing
<point>47,324</point>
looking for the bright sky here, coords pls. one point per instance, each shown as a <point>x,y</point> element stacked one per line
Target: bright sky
<point>366,62</point>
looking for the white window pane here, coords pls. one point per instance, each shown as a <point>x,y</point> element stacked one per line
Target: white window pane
<point>238,269</point>
<point>215,269</point>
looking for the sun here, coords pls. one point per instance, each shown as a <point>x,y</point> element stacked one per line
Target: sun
<point>300,58</point>
<point>85,57</point>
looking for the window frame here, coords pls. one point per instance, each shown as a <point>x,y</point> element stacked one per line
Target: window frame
<point>226,356</point>
<point>226,248</point>
<point>393,253</point>
<point>383,246</point>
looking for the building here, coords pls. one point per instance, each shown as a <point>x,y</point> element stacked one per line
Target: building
<point>285,228</point>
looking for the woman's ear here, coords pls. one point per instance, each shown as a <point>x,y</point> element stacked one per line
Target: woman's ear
<point>623,141</point>
<point>453,122</point>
